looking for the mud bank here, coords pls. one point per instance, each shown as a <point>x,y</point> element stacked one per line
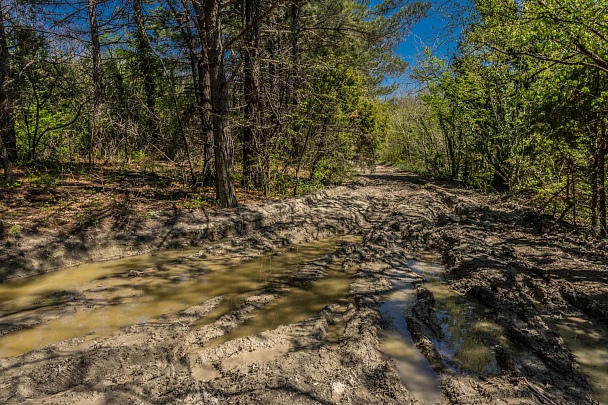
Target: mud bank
<point>29,254</point>
<point>503,264</point>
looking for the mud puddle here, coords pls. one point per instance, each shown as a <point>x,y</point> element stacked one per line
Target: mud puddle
<point>413,368</point>
<point>588,343</point>
<point>95,300</point>
<point>301,303</point>
<point>468,337</point>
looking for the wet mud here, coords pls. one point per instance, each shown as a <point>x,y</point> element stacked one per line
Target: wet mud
<point>394,290</point>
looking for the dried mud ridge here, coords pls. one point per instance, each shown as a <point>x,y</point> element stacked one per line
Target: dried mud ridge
<point>515,267</point>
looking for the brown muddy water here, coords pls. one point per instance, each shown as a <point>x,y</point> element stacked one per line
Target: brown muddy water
<point>299,304</point>
<point>469,336</point>
<point>413,368</point>
<point>588,343</point>
<point>95,300</point>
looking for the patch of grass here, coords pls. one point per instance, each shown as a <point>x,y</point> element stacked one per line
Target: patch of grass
<point>14,229</point>
<point>10,185</point>
<point>309,186</point>
<point>198,201</point>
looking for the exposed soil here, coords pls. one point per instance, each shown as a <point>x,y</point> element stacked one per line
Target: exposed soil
<point>520,270</point>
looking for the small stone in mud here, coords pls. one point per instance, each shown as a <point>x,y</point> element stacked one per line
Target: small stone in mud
<point>338,389</point>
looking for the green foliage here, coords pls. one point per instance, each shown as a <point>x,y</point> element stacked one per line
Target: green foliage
<point>14,229</point>
<point>371,122</point>
<point>319,68</point>
<point>10,185</point>
<point>43,179</point>
<point>196,202</point>
<point>520,108</point>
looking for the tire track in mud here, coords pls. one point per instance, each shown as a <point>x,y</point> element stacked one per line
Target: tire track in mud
<point>308,227</point>
<point>397,215</point>
<point>484,266</point>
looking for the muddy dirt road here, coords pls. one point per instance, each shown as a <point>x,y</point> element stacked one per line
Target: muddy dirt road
<point>393,290</point>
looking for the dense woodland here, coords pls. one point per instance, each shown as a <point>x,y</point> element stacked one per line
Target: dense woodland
<point>285,94</point>
<point>520,108</point>
<point>234,90</point>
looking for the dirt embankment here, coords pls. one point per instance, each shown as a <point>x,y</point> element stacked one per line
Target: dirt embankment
<point>518,270</point>
<point>30,254</point>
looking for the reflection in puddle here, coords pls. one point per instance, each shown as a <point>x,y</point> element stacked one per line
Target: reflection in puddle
<point>123,292</point>
<point>588,342</point>
<point>468,338</point>
<point>413,368</point>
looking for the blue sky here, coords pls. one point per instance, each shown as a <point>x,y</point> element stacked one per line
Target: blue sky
<point>433,32</point>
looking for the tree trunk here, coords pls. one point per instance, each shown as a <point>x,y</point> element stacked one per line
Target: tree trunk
<point>8,139</point>
<point>601,177</point>
<point>451,146</point>
<point>146,67</point>
<point>594,179</point>
<point>95,129</point>
<point>222,138</point>
<point>499,181</point>
<point>295,12</point>
<point>204,105</point>
<point>252,171</point>
<point>199,66</point>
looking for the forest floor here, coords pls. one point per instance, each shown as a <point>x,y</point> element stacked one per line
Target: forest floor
<point>521,275</point>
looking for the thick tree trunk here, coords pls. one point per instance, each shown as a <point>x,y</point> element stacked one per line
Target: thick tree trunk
<point>292,96</point>
<point>8,139</point>
<point>295,10</point>
<point>222,137</point>
<point>147,70</point>
<point>252,171</point>
<point>95,129</point>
